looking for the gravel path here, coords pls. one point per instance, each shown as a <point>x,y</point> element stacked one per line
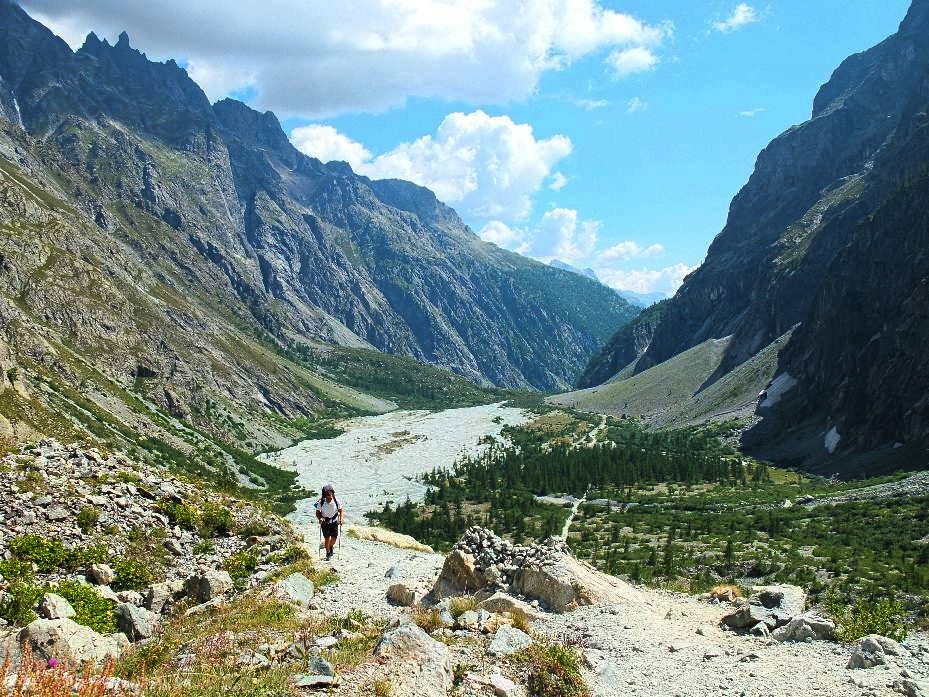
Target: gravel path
<point>649,648</point>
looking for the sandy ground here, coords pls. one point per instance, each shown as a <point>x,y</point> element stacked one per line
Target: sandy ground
<point>379,457</point>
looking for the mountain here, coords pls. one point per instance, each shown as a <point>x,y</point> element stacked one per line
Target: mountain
<point>157,247</point>
<point>565,266</point>
<point>642,300</point>
<point>798,248</point>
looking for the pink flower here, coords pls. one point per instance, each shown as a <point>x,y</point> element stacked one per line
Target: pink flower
<point>52,662</point>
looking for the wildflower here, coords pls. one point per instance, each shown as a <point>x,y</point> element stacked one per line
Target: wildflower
<point>52,663</point>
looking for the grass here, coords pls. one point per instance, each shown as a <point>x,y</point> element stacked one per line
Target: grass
<point>319,577</point>
<point>552,670</point>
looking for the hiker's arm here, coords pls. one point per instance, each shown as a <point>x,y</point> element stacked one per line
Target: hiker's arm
<point>319,514</point>
<point>341,515</point>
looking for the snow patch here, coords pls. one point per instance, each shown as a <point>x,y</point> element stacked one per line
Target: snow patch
<point>778,388</point>
<point>379,458</point>
<point>19,116</point>
<point>832,440</point>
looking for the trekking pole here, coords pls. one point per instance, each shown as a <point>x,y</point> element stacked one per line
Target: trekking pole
<point>320,527</point>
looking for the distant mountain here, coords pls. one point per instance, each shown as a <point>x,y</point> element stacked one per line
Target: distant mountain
<point>564,266</point>
<point>178,267</point>
<point>801,247</point>
<point>642,300</point>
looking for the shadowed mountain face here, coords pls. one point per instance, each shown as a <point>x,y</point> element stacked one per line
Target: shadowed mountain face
<point>306,251</point>
<point>786,257</point>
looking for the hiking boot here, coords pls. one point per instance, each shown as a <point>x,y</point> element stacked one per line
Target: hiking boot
<point>329,555</point>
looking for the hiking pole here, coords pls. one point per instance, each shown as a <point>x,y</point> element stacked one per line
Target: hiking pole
<point>320,527</point>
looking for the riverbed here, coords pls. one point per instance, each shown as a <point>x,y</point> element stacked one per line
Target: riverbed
<point>379,458</point>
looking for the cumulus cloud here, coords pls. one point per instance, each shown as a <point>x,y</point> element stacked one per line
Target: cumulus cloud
<point>628,61</point>
<point>666,280</point>
<point>561,234</point>
<point>742,14</point>
<point>489,167</point>
<point>629,249</point>
<point>323,58</point>
<point>591,104</point>
<point>502,235</point>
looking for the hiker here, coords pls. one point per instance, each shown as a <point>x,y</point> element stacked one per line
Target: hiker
<point>330,515</point>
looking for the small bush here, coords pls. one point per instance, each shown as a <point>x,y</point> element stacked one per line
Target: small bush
<point>242,564</point>
<point>459,606</point>
<point>884,616</point>
<point>87,518</point>
<point>180,514</point>
<point>382,688</point>
<point>16,570</point>
<point>204,547</point>
<point>290,555</point>
<point>255,528</point>
<point>428,620</point>
<point>131,574</point>
<point>18,606</point>
<point>91,609</point>
<point>520,620</point>
<point>553,670</point>
<point>47,554</point>
<point>82,557</point>
<point>215,521</point>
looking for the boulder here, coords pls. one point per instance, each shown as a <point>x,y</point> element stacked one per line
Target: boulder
<point>787,599</point>
<point>502,686</point>
<point>136,622</point>
<point>468,620</point>
<point>459,576</point>
<point>804,627</point>
<point>101,574</point>
<point>208,585</point>
<point>873,650</point>
<point>568,583</point>
<point>66,640</point>
<point>748,616</point>
<point>54,607</point>
<point>502,602</point>
<point>910,688</point>
<point>508,640</point>
<point>420,665</point>
<point>388,537</point>
<point>160,597</point>
<point>297,588</point>
<point>402,595</point>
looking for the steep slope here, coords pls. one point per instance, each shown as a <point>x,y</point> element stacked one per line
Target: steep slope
<point>312,250</point>
<point>624,348</point>
<point>810,186</point>
<point>862,390</point>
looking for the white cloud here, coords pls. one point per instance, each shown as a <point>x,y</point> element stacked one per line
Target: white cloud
<point>327,144</point>
<point>666,280</point>
<point>630,250</point>
<point>742,14</point>
<point>558,182</point>
<point>751,113</point>
<point>502,235</point>
<point>561,234</point>
<point>487,166</point>
<point>322,58</point>
<point>629,61</point>
<point>591,104</point>
<point>636,104</point>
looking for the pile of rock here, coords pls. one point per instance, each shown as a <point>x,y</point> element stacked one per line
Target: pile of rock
<point>545,574</point>
<point>779,612</point>
<point>498,560</point>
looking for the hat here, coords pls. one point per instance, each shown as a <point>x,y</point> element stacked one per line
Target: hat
<point>328,488</point>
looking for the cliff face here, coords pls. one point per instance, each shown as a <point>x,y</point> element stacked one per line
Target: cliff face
<point>215,197</point>
<point>783,257</point>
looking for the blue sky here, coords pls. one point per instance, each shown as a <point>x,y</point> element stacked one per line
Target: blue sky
<point>610,134</point>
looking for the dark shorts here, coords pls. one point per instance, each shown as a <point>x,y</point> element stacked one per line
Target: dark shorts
<point>330,529</point>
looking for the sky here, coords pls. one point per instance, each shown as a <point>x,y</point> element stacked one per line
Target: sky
<point>608,134</point>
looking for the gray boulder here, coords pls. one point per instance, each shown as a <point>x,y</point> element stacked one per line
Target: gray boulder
<point>101,574</point>
<point>873,650</point>
<point>508,640</point>
<point>420,665</point>
<point>403,595</point>
<point>208,585</point>
<point>160,597</point>
<point>54,607</point>
<point>67,640</point>
<point>806,627</point>
<point>459,576</point>
<point>297,588</point>
<point>136,622</point>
